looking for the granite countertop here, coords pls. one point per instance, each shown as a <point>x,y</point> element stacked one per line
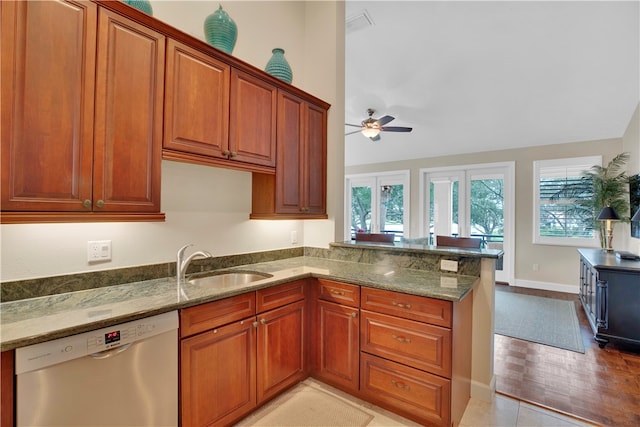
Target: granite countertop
<point>30,321</point>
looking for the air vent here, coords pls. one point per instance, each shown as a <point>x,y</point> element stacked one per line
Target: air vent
<point>358,22</point>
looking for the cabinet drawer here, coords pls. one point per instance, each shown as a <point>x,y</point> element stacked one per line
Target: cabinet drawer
<point>423,309</point>
<point>410,392</point>
<point>217,313</point>
<point>412,343</point>
<point>341,293</point>
<point>277,296</point>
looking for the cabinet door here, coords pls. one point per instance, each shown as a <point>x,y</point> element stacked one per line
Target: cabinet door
<point>252,123</point>
<point>337,353</point>
<point>291,146</point>
<point>196,102</point>
<point>281,349</point>
<point>48,66</point>
<point>128,118</point>
<point>217,381</point>
<point>315,162</point>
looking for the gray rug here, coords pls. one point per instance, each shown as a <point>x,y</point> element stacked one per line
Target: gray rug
<point>546,321</point>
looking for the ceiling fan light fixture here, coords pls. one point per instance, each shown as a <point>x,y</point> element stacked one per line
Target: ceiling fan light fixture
<point>370,132</point>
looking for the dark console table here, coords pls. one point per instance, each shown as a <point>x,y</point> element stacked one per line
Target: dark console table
<point>610,295</point>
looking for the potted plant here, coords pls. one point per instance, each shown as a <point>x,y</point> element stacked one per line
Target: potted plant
<point>609,186</point>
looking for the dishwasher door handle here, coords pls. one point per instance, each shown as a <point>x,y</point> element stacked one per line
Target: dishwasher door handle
<point>111,352</point>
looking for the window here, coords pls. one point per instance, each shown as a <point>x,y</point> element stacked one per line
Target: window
<point>377,203</point>
<point>560,215</point>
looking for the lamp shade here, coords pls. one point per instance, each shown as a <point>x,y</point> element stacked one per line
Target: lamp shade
<point>608,213</point>
<point>370,132</point>
<point>636,217</point>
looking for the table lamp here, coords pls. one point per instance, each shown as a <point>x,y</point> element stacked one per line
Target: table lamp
<point>608,214</point>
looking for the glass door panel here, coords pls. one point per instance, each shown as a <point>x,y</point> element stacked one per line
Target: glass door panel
<point>360,209</point>
<point>392,209</point>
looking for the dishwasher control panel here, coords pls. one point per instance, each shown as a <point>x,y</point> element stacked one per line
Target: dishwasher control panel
<point>61,350</point>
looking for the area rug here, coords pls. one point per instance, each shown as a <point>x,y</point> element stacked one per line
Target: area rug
<point>308,406</point>
<point>545,321</point>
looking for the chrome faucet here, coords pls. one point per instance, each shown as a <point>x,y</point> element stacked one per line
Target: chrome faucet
<point>182,263</point>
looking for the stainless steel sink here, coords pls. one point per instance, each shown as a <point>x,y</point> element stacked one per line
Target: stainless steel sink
<point>228,279</point>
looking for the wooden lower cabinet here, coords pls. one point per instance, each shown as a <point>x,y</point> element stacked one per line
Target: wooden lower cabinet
<point>410,392</point>
<point>281,349</point>
<point>7,385</point>
<point>337,349</point>
<point>232,360</point>
<point>218,375</point>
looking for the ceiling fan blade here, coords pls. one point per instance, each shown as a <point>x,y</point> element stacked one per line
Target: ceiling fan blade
<point>349,124</point>
<point>351,133</point>
<point>375,138</point>
<point>396,129</point>
<point>384,120</point>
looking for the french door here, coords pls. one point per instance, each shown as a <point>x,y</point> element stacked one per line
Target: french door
<point>377,203</point>
<point>472,201</point>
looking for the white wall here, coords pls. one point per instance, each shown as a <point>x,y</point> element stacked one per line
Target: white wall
<point>210,206</point>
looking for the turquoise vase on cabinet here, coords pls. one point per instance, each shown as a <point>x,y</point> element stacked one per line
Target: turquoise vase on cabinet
<point>220,30</point>
<point>143,5</point>
<point>278,66</point>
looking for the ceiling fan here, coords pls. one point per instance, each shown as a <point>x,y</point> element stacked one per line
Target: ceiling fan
<point>371,127</point>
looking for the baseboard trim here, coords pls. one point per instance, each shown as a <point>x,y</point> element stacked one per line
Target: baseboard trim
<point>547,286</point>
<point>485,392</point>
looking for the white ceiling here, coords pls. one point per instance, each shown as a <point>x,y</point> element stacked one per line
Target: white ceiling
<point>479,76</point>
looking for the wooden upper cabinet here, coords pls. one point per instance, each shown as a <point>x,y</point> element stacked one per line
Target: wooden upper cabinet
<point>217,115</point>
<point>298,189</point>
<point>81,114</point>
<point>48,67</point>
<point>252,132</point>
<point>128,127</point>
<point>196,102</point>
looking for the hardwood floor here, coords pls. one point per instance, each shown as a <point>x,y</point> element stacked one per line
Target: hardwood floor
<point>601,385</point>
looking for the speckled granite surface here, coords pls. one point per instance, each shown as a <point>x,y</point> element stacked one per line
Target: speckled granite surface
<point>29,321</point>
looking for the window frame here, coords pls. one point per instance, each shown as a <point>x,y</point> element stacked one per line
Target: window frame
<point>581,163</point>
<point>377,179</point>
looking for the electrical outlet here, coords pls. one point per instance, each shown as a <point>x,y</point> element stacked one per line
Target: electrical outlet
<point>99,250</point>
<point>448,265</point>
<point>294,237</point>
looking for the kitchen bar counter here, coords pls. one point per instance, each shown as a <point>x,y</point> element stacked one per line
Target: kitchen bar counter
<point>34,320</point>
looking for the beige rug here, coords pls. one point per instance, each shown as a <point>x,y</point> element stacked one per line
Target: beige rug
<point>308,406</point>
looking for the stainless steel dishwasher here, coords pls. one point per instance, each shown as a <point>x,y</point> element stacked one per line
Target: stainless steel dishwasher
<point>124,375</point>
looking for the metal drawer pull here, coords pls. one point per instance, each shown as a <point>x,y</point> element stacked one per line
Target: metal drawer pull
<point>336,292</point>
<point>400,385</point>
<point>401,339</point>
<point>400,305</point>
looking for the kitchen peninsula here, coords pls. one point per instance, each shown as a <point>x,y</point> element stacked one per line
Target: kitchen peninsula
<point>399,270</point>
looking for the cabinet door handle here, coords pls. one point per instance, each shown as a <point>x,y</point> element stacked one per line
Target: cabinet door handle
<point>354,314</point>
<point>255,324</point>
<point>226,153</point>
<point>401,305</point>
<point>100,203</point>
<point>233,154</point>
<point>263,321</point>
<point>86,203</point>
<point>400,385</point>
<point>336,292</point>
<point>401,339</point>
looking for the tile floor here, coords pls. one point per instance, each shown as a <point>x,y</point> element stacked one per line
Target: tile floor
<point>503,412</point>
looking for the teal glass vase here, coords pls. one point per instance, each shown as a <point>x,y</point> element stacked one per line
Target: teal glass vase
<point>279,67</point>
<point>220,30</point>
<point>143,5</point>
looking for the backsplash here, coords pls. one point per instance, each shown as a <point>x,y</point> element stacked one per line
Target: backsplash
<point>411,259</point>
<point>33,288</point>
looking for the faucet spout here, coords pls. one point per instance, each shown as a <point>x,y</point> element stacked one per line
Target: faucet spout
<point>182,263</point>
